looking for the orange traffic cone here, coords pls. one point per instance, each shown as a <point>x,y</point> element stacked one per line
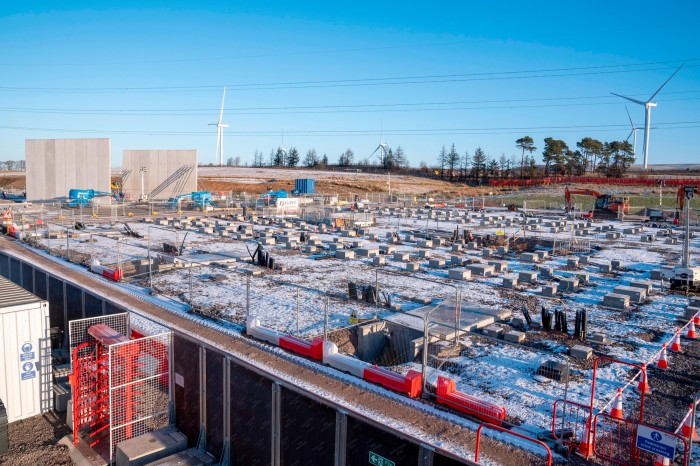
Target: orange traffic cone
<point>662,461</point>
<point>689,426</point>
<point>692,335</point>
<point>616,410</point>
<point>663,361</point>
<point>643,382</point>
<point>676,344</point>
<point>585,447</point>
<point>696,318</point>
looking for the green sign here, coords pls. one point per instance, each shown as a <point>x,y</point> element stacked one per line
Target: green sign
<point>377,460</point>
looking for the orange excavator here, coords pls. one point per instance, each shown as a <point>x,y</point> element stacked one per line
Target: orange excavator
<point>606,205</point>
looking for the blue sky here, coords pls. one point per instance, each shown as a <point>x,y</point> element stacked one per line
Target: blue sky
<point>332,75</point>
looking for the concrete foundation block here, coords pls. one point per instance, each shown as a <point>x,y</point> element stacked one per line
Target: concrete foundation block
<point>549,290</point>
<point>583,260</point>
<point>518,322</point>
<point>542,255</point>
<point>388,249</point>
<point>191,457</point>
<point>425,243</point>
<point>581,352</point>
<point>493,331</point>
<point>616,264</point>
<point>514,336</point>
<point>457,247</point>
<point>401,256</point>
<point>510,283</point>
<point>499,266</point>
<point>412,267</point>
<point>345,254</point>
<point>605,268</point>
<point>583,278</point>
<point>545,272</point>
<point>529,257</point>
<point>573,262</point>
<point>568,285</point>
<point>616,301</point>
<point>150,447</point>
<point>459,274</point>
<point>436,263</point>
<point>644,285</point>
<point>424,253</point>
<point>481,270</point>
<point>637,295</point>
<point>527,277</point>
<point>61,395</point>
<point>691,311</point>
<point>456,260</point>
<point>379,260</point>
<point>367,252</point>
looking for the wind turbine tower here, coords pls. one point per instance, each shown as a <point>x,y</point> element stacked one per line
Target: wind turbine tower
<point>648,105</point>
<point>220,132</point>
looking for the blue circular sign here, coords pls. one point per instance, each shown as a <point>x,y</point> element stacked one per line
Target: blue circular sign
<point>656,436</point>
<point>27,366</point>
<point>27,347</point>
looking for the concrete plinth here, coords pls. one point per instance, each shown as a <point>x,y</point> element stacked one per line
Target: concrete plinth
<point>529,257</point>
<point>527,277</point>
<point>616,301</point>
<point>514,336</point>
<point>493,331</point>
<point>401,256</point>
<point>412,267</point>
<point>510,283</point>
<point>150,447</point>
<point>568,285</point>
<point>481,270</point>
<point>345,254</point>
<point>581,352</point>
<point>549,291</point>
<point>459,274</point>
<point>436,263</point>
<point>637,295</point>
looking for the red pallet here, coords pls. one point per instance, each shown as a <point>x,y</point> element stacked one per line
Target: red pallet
<point>410,384</point>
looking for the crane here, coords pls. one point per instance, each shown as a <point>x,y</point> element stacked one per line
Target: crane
<point>82,197</point>
<point>201,199</point>
<point>606,205</point>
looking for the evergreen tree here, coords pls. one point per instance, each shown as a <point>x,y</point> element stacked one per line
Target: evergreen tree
<point>478,165</point>
<point>293,157</point>
<point>464,167</point>
<point>346,158</point>
<point>400,160</point>
<point>324,161</point>
<point>452,162</point>
<point>554,154</point>
<point>442,162</point>
<point>278,158</point>
<point>525,143</point>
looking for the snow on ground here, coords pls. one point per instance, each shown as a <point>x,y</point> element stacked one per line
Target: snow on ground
<point>294,300</point>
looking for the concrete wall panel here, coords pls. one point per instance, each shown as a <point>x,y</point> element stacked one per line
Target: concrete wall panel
<point>160,164</point>
<point>54,166</point>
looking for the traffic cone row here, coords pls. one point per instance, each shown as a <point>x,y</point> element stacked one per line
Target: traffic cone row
<point>663,360</point>
<point>616,410</point>
<point>643,385</point>
<point>676,344</point>
<point>688,428</point>
<point>692,335</point>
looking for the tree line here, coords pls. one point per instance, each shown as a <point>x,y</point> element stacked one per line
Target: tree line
<point>13,165</point>
<point>280,157</point>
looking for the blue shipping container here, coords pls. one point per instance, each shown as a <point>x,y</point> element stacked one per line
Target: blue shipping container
<point>304,185</point>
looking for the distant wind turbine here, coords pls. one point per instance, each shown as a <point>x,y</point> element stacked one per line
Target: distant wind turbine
<point>220,132</point>
<point>382,147</point>
<point>633,132</point>
<point>648,105</point>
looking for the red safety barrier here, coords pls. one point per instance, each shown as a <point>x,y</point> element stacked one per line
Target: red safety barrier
<point>569,421</point>
<point>510,432</point>
<point>312,349</point>
<point>591,180</point>
<point>410,384</point>
<point>158,351</point>
<point>616,442</point>
<point>447,394</point>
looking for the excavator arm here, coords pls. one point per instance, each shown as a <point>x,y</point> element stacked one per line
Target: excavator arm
<point>571,192</point>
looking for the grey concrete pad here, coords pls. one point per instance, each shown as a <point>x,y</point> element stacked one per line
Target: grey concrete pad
<point>510,283</point>
<point>459,274</point>
<point>637,295</point>
<point>150,447</point>
<point>412,267</point>
<point>493,331</point>
<point>529,257</point>
<point>616,301</point>
<point>514,336</point>
<point>527,277</point>
<point>344,254</point>
<point>379,260</point>
<point>482,270</point>
<point>191,457</point>
<point>581,352</point>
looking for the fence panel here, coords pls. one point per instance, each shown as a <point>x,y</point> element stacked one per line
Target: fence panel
<point>139,392</point>
<point>78,329</point>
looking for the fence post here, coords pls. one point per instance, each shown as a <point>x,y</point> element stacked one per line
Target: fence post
<point>325,320</point>
<point>297,334</point>
<point>247,297</point>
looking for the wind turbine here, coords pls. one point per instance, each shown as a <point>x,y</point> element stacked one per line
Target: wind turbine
<point>648,105</point>
<point>283,149</point>
<point>382,147</point>
<point>220,132</point>
<point>633,132</point>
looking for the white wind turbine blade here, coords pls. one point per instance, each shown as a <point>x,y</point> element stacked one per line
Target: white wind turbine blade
<point>630,99</point>
<point>223,98</point>
<point>665,82</point>
<point>630,118</point>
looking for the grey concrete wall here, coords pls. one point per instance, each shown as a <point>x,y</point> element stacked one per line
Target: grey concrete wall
<point>160,164</point>
<point>54,166</point>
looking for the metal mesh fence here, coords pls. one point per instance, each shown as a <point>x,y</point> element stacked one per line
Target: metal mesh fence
<point>139,391</point>
<point>78,329</point>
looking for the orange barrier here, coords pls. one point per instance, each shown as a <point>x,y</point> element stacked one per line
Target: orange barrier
<point>447,394</point>
<point>591,180</point>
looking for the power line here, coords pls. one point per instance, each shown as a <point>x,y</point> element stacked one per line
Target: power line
<point>356,108</point>
<point>425,79</point>
<point>394,132</point>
